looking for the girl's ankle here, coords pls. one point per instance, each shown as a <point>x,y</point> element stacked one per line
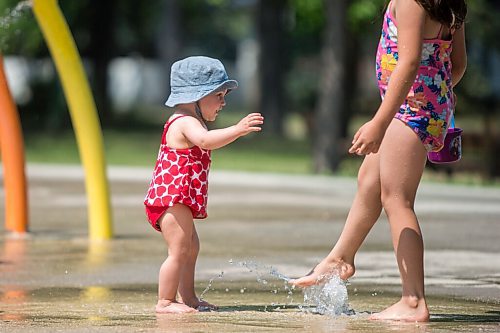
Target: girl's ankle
<point>414,301</point>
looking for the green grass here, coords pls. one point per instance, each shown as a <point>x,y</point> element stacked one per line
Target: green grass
<point>140,147</point>
<point>137,145</point>
<point>262,153</point>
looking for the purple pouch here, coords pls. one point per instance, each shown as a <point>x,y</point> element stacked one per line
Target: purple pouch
<point>452,149</point>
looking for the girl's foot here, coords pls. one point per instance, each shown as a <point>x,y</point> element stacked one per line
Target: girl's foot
<point>407,309</point>
<point>165,306</point>
<point>323,271</point>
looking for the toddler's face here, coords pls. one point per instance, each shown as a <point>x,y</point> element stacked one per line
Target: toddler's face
<point>211,105</point>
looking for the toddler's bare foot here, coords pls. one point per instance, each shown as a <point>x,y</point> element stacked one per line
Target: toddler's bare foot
<point>200,304</point>
<point>323,271</point>
<point>166,306</point>
<point>205,306</point>
<point>407,309</point>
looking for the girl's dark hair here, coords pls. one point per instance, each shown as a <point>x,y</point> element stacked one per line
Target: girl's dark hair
<point>448,12</point>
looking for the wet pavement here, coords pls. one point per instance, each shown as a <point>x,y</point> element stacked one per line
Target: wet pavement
<point>56,280</point>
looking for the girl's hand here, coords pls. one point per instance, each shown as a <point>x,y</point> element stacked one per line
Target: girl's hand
<point>250,123</point>
<point>367,139</point>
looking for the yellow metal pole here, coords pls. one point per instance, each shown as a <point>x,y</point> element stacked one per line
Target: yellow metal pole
<point>12,149</point>
<point>83,114</point>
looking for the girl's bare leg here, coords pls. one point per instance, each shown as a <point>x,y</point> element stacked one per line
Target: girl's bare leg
<point>177,230</point>
<point>402,161</point>
<point>364,212</point>
<point>186,285</point>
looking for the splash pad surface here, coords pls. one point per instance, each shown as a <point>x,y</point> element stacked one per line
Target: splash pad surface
<point>57,280</point>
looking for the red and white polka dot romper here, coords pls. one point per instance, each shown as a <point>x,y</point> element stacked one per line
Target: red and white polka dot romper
<point>180,176</point>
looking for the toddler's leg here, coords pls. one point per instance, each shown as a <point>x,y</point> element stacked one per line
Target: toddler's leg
<point>186,285</point>
<point>364,212</point>
<point>402,161</point>
<point>177,229</point>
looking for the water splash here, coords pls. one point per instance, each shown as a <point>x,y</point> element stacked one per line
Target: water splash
<point>210,282</point>
<point>262,270</point>
<point>329,298</point>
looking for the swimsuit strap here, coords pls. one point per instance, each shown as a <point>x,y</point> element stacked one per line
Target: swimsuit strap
<point>167,126</point>
<point>388,12</point>
<point>440,32</point>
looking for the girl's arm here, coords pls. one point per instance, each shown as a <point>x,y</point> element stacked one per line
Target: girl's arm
<point>411,21</point>
<point>458,55</point>
<point>214,139</point>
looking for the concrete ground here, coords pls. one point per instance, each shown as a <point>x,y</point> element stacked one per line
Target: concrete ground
<point>270,221</point>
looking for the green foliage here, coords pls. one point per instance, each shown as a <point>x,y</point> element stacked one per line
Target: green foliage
<point>364,12</point>
<point>135,25</point>
<point>214,27</point>
<point>307,24</point>
<point>477,91</point>
<point>218,2</point>
<point>482,21</point>
<point>19,33</point>
<point>308,15</point>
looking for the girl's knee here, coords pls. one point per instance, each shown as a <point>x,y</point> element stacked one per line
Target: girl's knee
<point>179,254</point>
<point>182,249</point>
<point>392,201</point>
<point>369,183</point>
<point>185,250</point>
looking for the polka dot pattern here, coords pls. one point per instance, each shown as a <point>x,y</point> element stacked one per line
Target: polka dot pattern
<point>180,176</point>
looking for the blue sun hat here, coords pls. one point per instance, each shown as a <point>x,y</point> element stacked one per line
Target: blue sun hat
<point>193,78</point>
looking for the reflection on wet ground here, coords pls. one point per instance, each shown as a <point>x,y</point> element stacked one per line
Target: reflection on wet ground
<point>258,309</point>
<point>261,230</point>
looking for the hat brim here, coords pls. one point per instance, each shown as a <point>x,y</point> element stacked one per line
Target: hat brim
<point>184,97</point>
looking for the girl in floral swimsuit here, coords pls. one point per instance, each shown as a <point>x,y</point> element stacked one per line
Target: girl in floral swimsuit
<point>429,105</point>
<point>177,192</point>
<point>420,58</point>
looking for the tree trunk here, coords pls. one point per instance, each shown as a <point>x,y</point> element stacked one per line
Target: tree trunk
<point>351,66</point>
<point>168,41</point>
<point>101,47</point>
<point>272,62</point>
<point>331,102</point>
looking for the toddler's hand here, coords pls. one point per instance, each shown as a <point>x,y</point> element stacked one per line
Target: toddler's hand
<point>250,123</point>
<point>367,139</point>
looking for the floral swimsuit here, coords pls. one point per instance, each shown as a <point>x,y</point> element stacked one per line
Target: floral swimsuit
<point>180,176</point>
<point>429,104</point>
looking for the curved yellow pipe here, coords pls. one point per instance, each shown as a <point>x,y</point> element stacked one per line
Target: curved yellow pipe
<point>83,114</point>
<point>12,149</point>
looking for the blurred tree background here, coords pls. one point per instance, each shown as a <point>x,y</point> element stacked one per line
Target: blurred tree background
<point>307,65</point>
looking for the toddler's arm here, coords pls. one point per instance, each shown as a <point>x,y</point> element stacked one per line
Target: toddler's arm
<point>217,138</point>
